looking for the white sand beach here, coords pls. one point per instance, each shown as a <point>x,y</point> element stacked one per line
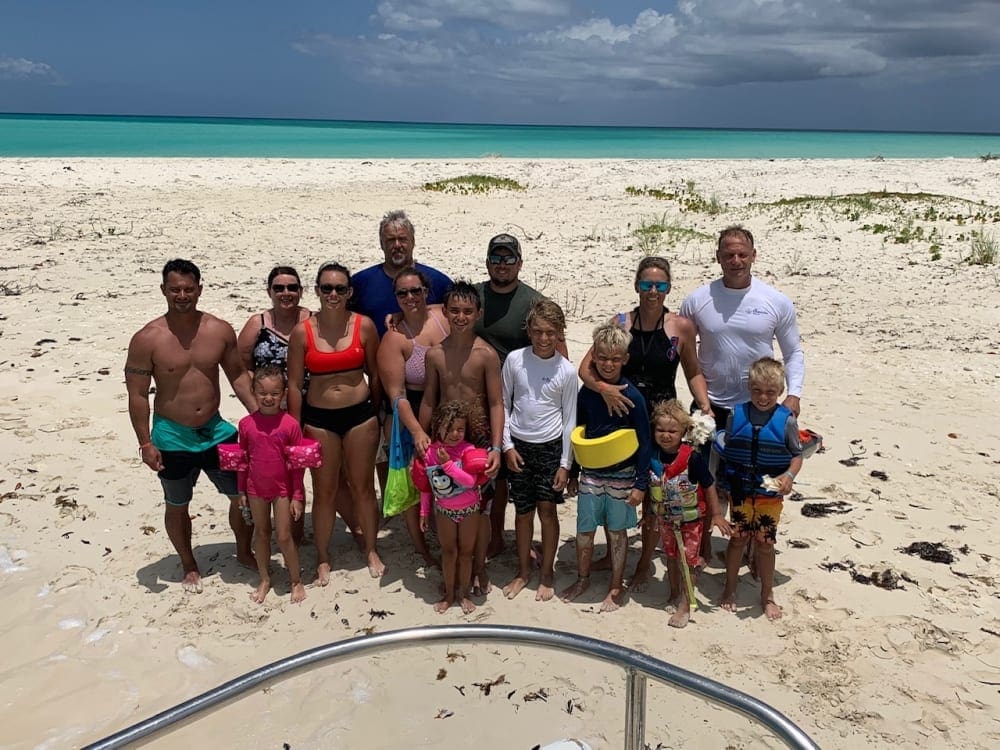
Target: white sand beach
<point>902,371</point>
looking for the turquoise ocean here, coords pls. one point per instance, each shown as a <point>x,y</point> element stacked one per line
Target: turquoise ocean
<point>92,135</point>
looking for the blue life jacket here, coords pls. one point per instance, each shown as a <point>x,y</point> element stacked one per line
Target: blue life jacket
<point>751,452</point>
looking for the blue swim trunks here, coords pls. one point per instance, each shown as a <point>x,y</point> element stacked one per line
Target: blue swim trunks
<point>188,451</point>
<point>603,499</point>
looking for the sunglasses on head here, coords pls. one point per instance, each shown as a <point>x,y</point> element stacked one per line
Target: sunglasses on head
<point>340,289</point>
<point>505,260</point>
<point>413,291</point>
<point>661,286</point>
<point>282,287</point>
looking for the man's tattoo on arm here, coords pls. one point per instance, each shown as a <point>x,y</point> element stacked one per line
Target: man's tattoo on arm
<point>137,371</point>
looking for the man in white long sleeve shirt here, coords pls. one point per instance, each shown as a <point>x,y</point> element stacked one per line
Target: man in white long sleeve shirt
<point>737,319</point>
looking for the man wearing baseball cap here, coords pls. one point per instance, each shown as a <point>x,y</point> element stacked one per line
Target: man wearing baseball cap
<point>506,299</point>
<point>506,302</point>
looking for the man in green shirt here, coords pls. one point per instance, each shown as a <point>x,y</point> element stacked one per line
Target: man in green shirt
<point>506,299</point>
<point>506,302</point>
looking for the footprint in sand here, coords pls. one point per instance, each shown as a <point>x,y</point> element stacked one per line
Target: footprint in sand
<point>10,560</point>
<point>12,423</point>
<point>188,656</point>
<point>72,423</point>
<point>72,575</point>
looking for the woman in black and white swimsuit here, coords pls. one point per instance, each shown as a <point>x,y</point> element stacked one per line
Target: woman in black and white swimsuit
<point>264,338</point>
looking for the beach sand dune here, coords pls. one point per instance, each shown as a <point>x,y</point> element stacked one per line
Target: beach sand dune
<point>901,339</point>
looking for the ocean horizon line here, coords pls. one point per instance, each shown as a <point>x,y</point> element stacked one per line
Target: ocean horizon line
<point>65,135</point>
<point>248,120</point>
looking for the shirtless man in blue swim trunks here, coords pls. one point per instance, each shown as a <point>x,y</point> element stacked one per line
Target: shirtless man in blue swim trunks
<point>181,351</point>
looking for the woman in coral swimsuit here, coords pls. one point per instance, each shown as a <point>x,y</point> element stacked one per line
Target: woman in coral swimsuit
<point>338,348</point>
<point>401,368</point>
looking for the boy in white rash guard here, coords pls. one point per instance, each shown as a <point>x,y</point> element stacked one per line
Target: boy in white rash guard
<point>737,318</point>
<point>539,399</point>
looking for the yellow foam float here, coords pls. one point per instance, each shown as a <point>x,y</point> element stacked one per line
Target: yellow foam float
<point>607,450</point>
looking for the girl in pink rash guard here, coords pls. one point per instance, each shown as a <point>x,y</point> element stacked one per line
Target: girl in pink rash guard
<point>452,471</point>
<point>268,482</point>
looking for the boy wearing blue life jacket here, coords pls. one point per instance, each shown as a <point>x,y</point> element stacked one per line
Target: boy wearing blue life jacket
<point>763,455</point>
<point>615,473</point>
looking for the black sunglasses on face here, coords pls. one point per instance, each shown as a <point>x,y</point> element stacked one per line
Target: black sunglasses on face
<point>506,260</point>
<point>340,289</point>
<point>282,287</point>
<point>415,291</point>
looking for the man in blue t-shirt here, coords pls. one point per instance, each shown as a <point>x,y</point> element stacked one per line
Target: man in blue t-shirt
<point>373,294</point>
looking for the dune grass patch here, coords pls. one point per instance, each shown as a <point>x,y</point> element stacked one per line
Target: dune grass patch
<point>471,184</point>
<point>983,249</point>
<point>918,205</point>
<point>657,233</point>
<point>688,198</point>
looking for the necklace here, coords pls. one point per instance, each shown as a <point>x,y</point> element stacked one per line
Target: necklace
<point>645,342</point>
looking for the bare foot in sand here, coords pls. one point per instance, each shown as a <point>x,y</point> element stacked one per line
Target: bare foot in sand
<point>298,592</point>
<point>571,593</point>
<point>544,593</point>
<point>771,610</point>
<point>247,561</point>
<point>640,579</point>
<point>376,568</point>
<point>481,584</point>
<point>443,606</point>
<point>682,616</point>
<point>191,583</point>
<point>323,574</point>
<point>728,601</point>
<point>467,606</point>
<point>673,602</point>
<point>514,588</point>
<point>613,601</point>
<point>260,594</point>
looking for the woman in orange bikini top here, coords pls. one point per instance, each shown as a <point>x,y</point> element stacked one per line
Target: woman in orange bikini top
<point>338,348</point>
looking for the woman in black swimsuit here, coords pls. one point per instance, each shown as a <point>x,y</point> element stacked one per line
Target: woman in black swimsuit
<point>661,340</point>
<point>264,338</point>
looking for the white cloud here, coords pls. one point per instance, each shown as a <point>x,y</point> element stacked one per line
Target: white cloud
<point>468,45</point>
<point>416,15</point>
<point>19,68</point>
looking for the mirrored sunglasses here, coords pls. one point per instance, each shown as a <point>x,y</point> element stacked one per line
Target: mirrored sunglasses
<point>505,260</point>
<point>661,286</point>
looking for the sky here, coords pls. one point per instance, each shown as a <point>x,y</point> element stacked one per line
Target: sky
<point>924,65</point>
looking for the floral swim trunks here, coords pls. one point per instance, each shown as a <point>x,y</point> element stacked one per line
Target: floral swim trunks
<point>757,514</point>
<point>691,533</point>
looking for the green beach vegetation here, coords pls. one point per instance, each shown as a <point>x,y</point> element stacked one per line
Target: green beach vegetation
<point>899,218</point>
<point>688,198</point>
<point>470,184</point>
<point>657,233</point>
<point>983,250</point>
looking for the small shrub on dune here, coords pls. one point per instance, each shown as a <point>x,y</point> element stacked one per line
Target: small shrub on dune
<point>473,183</point>
<point>984,249</point>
